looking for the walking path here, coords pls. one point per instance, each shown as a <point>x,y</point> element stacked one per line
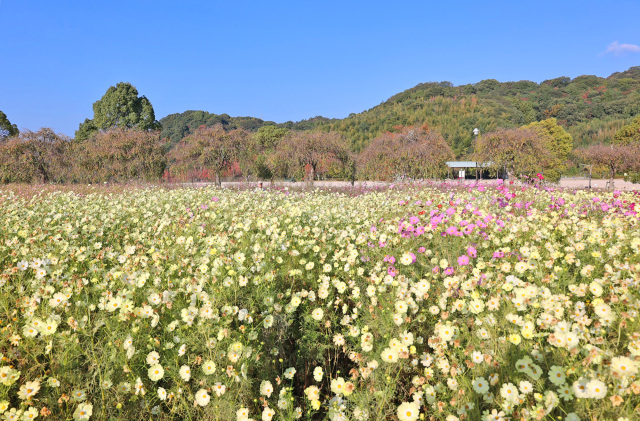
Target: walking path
<point>577,183</point>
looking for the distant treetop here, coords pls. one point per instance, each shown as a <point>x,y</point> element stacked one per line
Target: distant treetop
<point>6,128</point>
<point>119,107</point>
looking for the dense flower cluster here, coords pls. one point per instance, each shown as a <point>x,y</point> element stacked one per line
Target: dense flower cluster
<point>487,303</point>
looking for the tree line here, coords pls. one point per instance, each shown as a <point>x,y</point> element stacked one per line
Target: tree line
<point>122,154</point>
<point>124,142</point>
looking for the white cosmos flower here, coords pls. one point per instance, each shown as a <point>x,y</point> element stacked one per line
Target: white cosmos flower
<point>202,397</point>
<point>185,373</point>
<point>219,389</point>
<point>208,367</point>
<point>624,366</point>
<point>596,389</point>
<point>408,411</point>
<point>317,314</point>
<point>267,414</point>
<point>83,412</point>
<point>389,355</point>
<point>155,372</point>
<point>509,392</point>
<point>317,374</point>
<point>266,388</point>
<point>480,385</point>
<point>153,357</point>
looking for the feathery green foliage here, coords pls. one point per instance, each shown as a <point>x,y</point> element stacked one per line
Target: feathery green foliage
<point>119,107</point>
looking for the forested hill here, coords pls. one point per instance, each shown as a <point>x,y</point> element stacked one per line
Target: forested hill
<point>592,109</point>
<point>178,126</point>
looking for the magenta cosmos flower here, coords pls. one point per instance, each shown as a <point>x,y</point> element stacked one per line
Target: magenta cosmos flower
<point>463,260</point>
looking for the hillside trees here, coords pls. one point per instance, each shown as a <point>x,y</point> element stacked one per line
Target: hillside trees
<point>628,134</point>
<point>7,129</point>
<point>119,107</point>
<point>177,126</point>
<point>589,108</point>
<point>413,152</point>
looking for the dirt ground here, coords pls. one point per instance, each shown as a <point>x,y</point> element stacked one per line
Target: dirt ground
<point>576,183</point>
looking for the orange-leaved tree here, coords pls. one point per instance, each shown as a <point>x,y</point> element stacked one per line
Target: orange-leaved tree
<point>614,157</point>
<point>119,154</point>
<point>298,150</point>
<point>32,157</point>
<point>415,152</point>
<point>208,148</point>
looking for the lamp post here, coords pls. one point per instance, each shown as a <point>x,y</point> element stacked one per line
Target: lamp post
<point>590,168</point>
<point>475,133</point>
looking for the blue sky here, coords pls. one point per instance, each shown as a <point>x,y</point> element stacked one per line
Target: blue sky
<point>290,60</point>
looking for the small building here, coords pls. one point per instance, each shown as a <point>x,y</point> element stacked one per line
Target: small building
<point>458,169</point>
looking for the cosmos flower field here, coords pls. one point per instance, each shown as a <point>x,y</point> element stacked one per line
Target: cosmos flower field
<point>428,302</point>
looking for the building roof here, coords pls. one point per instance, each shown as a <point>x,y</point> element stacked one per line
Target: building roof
<point>467,164</point>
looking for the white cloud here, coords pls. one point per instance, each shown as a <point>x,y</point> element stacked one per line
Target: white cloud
<point>618,49</point>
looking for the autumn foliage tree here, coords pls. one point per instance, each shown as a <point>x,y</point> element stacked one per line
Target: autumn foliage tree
<point>522,152</point>
<point>614,157</point>
<point>300,150</point>
<point>119,154</point>
<point>208,149</point>
<point>415,152</point>
<point>35,157</point>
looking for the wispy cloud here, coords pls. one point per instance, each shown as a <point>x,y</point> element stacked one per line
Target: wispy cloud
<point>618,49</point>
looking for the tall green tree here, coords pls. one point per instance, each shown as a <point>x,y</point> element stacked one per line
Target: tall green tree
<point>265,143</point>
<point>558,141</point>
<point>119,107</point>
<point>521,152</point>
<point>6,128</point>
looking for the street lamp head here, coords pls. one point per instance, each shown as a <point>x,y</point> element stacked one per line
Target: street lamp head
<point>476,131</point>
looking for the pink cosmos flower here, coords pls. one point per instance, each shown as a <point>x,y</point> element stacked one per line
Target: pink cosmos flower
<point>463,260</point>
<point>452,230</point>
<point>471,251</point>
